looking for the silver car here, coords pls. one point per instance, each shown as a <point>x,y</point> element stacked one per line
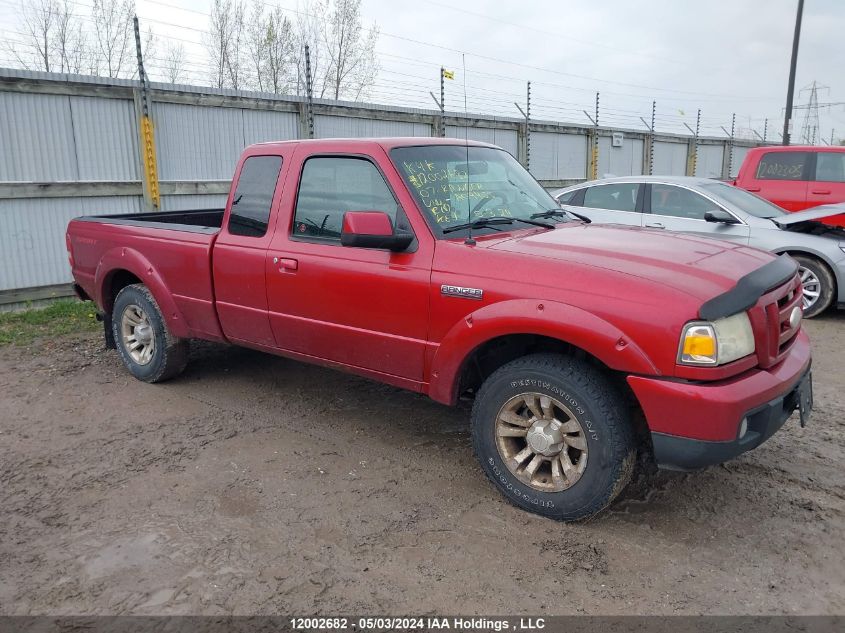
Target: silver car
<point>715,209</point>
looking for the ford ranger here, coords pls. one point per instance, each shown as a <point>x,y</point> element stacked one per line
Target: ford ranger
<point>444,268</point>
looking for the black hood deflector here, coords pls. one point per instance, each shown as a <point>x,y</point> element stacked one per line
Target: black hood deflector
<point>749,289</point>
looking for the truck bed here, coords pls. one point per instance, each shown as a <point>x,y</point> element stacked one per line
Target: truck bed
<point>194,220</point>
<point>177,245</point>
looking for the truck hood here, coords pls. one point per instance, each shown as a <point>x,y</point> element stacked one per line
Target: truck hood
<point>700,267</point>
<point>816,213</point>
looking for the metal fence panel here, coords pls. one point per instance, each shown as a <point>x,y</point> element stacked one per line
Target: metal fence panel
<point>506,139</point>
<point>32,230</point>
<point>267,125</point>
<point>670,158</point>
<point>738,156</point>
<point>620,161</point>
<point>106,139</point>
<point>558,156</point>
<point>328,126</point>
<point>197,142</point>
<point>37,133</point>
<point>193,201</point>
<point>708,163</point>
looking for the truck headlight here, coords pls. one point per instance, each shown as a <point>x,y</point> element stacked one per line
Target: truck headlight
<point>716,342</point>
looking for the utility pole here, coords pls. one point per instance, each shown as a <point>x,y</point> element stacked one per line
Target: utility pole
<point>309,92</point>
<point>765,129</point>
<point>790,90</point>
<point>148,147</point>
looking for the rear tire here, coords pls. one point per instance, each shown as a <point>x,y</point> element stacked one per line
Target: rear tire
<point>583,423</point>
<point>147,348</point>
<point>816,279</point>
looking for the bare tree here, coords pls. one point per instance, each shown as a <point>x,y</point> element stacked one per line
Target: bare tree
<point>114,35</point>
<point>279,51</point>
<point>224,41</point>
<point>351,50</point>
<point>270,48</point>
<point>308,30</point>
<point>173,63</point>
<point>235,57</point>
<point>217,40</point>
<point>70,43</point>
<point>38,18</point>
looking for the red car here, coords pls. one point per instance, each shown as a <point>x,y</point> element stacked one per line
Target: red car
<point>446,269</point>
<point>796,177</point>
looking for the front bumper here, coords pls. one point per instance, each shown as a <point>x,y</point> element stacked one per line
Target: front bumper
<point>697,424</point>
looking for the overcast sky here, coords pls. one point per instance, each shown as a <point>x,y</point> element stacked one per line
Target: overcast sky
<point>722,56</point>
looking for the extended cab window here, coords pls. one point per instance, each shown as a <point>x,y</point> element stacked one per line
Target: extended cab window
<point>254,196</point>
<point>329,187</point>
<point>782,166</point>
<point>679,202</point>
<point>619,197</point>
<point>830,166</point>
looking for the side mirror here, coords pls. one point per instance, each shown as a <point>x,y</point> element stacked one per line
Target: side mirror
<point>372,229</point>
<point>721,216</point>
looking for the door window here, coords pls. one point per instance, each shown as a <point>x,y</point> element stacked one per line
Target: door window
<point>566,198</point>
<point>618,197</point>
<point>329,187</point>
<point>830,166</point>
<point>782,166</point>
<point>679,202</point>
<point>254,196</point>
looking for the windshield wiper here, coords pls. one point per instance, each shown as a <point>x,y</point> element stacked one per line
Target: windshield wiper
<point>553,213</point>
<point>482,223</point>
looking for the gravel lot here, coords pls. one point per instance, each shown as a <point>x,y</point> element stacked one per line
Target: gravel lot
<point>255,485</point>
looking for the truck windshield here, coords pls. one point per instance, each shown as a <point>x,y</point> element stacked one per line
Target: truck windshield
<point>455,185</point>
<point>743,200</point>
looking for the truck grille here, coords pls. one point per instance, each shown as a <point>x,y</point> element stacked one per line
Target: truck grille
<point>773,330</point>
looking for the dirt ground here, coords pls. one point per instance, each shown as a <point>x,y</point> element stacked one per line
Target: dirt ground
<point>257,485</point>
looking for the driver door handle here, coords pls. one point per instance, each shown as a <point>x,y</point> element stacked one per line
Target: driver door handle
<point>655,225</point>
<point>286,264</point>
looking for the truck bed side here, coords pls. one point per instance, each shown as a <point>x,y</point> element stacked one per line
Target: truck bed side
<point>169,252</point>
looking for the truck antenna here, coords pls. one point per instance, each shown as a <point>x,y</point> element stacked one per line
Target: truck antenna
<point>468,241</point>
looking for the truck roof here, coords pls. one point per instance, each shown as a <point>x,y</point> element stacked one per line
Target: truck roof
<point>386,143</point>
<point>798,148</point>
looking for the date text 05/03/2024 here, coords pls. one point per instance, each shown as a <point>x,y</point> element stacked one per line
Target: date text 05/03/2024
<point>477,624</point>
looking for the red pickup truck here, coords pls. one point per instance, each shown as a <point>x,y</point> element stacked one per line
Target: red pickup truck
<point>796,177</point>
<point>446,269</point>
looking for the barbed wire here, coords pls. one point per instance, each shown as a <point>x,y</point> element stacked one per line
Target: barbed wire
<point>401,87</point>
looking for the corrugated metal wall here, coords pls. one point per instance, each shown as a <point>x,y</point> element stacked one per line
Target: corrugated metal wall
<point>73,130</point>
<point>32,236</point>
<point>708,163</point>
<point>558,156</point>
<point>670,158</point>
<point>739,153</point>
<point>326,126</point>
<point>620,161</point>
<point>506,139</point>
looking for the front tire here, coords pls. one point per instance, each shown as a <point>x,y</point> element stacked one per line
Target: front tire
<point>818,284</point>
<point>146,347</point>
<point>554,436</point>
